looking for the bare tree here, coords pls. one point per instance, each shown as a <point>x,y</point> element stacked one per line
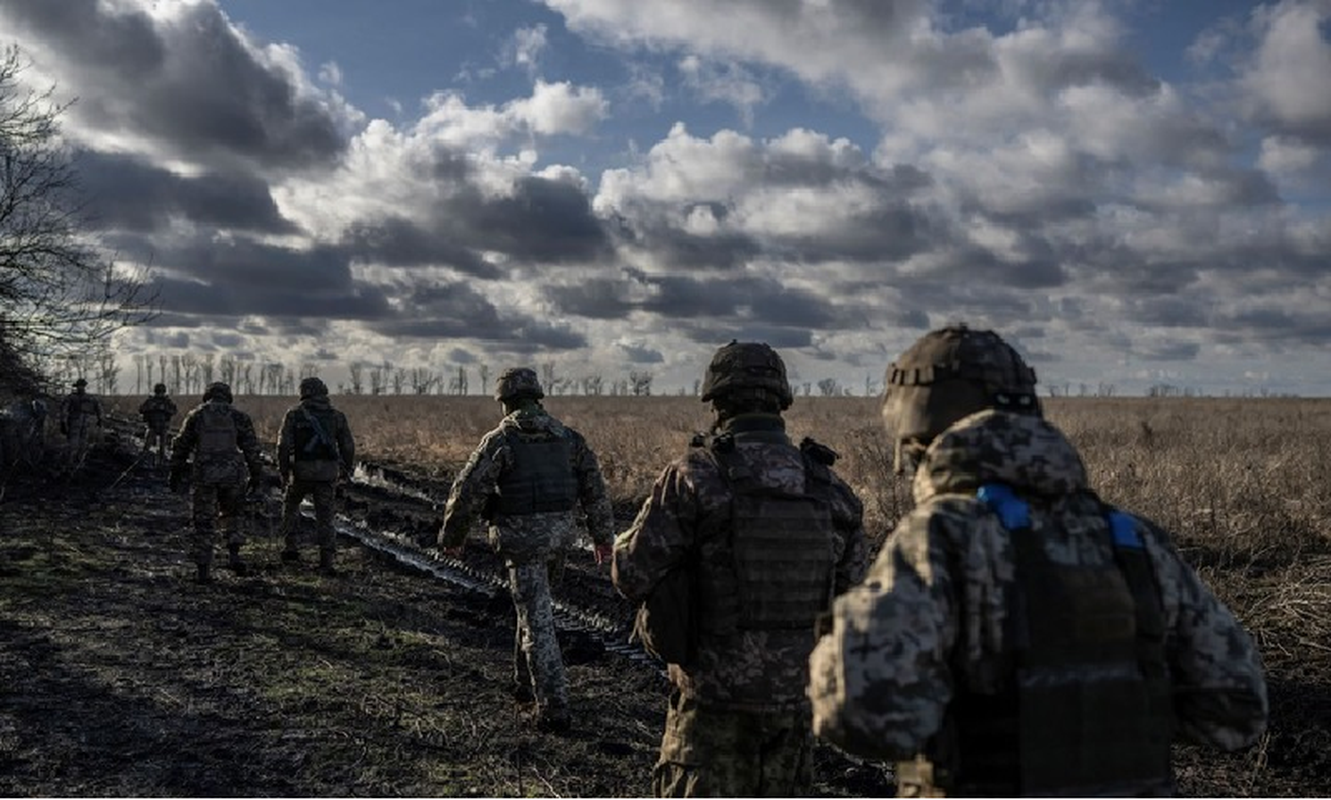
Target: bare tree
<point>548,373</point>
<point>139,358</point>
<point>357,370</point>
<point>828,387</point>
<point>422,380</point>
<point>108,371</point>
<point>226,370</point>
<point>58,292</point>
<point>483,372</point>
<point>641,383</point>
<point>378,375</point>
<point>592,384</point>
<point>189,363</point>
<point>206,364</point>
<point>399,379</point>
<point>247,376</point>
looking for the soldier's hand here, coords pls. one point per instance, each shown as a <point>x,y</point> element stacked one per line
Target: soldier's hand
<point>603,553</point>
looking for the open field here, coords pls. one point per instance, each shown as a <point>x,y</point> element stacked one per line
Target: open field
<point>1242,484</point>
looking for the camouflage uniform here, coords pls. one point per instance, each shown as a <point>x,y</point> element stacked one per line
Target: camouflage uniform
<point>315,450</point>
<point>941,627</point>
<point>738,721</point>
<point>157,412</point>
<point>529,541</point>
<point>78,413</point>
<point>219,472</point>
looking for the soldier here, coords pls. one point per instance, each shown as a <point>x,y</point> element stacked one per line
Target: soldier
<point>226,458</point>
<point>767,534</point>
<point>1017,635</point>
<point>157,412</point>
<point>78,413</point>
<point>526,478</point>
<point>315,450</point>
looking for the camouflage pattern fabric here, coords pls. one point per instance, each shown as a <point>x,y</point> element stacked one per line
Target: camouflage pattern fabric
<point>931,614</point>
<point>157,412</point>
<point>528,542</point>
<point>334,424</point>
<point>750,685</point>
<point>714,753</point>
<point>760,668</point>
<point>224,469</point>
<point>324,496</point>
<point>211,503</point>
<point>79,413</point>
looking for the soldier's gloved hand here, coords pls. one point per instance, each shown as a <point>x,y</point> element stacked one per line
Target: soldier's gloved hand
<point>603,553</point>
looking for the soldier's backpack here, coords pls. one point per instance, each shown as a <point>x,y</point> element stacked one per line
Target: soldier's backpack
<point>316,454</point>
<point>217,458</point>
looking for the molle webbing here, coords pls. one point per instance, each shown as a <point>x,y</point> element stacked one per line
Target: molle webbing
<point>217,432</point>
<point>781,550</point>
<point>541,479</point>
<point>1088,710</point>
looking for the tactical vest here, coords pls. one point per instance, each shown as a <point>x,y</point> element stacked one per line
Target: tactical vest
<point>158,410</point>
<point>776,571</point>
<point>1088,709</point>
<point>540,480</point>
<point>217,433</point>
<point>82,405</point>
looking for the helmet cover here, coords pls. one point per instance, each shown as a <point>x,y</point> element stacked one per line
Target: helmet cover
<point>518,382</point>
<point>747,367</point>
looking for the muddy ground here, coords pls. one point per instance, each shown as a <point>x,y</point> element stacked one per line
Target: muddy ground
<point>121,676</point>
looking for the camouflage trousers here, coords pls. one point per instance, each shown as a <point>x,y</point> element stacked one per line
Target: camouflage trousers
<point>536,654</point>
<point>211,503</point>
<point>156,436</point>
<point>720,752</point>
<point>80,438</point>
<point>324,496</point>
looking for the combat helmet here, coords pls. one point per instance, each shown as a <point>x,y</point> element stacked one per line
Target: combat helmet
<point>312,387</point>
<point>751,369</point>
<point>217,391</point>
<point>948,374</point>
<point>159,388</point>
<point>80,383</point>
<point>516,383</point>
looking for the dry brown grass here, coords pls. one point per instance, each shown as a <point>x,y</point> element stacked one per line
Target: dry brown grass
<point>1241,483</point>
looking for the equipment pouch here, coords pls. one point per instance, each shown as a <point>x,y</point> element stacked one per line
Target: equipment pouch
<point>666,623</point>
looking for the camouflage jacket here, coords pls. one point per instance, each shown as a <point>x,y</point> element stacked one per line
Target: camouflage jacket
<point>157,410</point>
<point>80,406</point>
<point>761,669</point>
<point>929,618</point>
<point>221,469</point>
<point>526,537</point>
<point>334,424</point>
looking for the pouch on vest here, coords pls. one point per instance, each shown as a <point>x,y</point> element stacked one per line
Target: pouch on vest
<point>666,623</point>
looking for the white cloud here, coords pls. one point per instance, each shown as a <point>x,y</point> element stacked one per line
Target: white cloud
<point>1287,81</point>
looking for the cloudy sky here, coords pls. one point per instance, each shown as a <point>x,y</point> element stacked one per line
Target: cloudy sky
<point>1133,192</point>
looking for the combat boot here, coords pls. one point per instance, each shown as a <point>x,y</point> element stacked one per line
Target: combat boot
<point>554,718</point>
<point>234,562</point>
<point>326,564</point>
<point>203,574</point>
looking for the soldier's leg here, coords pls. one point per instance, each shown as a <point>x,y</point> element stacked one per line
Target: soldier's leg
<point>786,755</point>
<point>231,511</point>
<point>290,527</point>
<point>529,583</point>
<point>707,752</point>
<point>203,502</point>
<point>325,500</point>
